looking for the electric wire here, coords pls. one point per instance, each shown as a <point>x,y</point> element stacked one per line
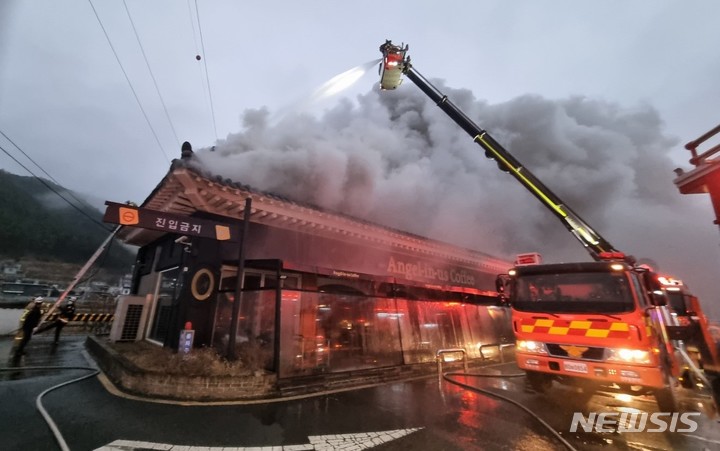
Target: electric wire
<point>191,16</point>
<point>43,170</point>
<point>137,99</point>
<point>207,76</point>
<point>157,89</point>
<point>47,185</point>
<point>192,25</point>
<point>106,251</point>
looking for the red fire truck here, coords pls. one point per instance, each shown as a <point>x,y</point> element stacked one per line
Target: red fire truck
<point>602,324</point>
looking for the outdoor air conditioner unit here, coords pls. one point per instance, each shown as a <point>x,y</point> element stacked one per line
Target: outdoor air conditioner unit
<point>131,315</point>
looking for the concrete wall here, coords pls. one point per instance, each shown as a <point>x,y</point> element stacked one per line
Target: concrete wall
<point>129,378</point>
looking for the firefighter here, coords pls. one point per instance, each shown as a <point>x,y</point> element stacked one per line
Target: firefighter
<point>66,314</point>
<point>30,320</point>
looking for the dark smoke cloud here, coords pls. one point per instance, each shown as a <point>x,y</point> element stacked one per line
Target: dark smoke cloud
<point>396,159</point>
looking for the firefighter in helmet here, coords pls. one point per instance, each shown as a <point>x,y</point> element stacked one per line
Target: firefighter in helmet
<point>30,319</point>
<point>66,313</point>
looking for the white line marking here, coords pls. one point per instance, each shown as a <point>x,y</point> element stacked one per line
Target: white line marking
<point>703,438</point>
<point>362,440</point>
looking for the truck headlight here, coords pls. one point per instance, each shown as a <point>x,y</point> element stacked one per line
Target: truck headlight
<point>532,347</point>
<point>627,355</point>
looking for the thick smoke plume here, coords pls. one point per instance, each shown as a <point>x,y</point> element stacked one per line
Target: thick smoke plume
<point>396,159</point>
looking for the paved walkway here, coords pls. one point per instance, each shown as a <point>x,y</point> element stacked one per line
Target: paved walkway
<point>41,351</point>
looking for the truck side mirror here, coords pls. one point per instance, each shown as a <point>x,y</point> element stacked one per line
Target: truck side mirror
<point>658,298</point>
<point>655,289</point>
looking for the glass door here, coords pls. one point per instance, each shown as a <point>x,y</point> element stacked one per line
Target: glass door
<point>164,297</point>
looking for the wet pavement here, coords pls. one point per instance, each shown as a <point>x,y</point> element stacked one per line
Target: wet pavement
<point>426,414</point>
<point>407,415</point>
<point>41,351</point>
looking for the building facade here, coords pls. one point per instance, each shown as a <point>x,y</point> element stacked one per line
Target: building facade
<point>322,292</point>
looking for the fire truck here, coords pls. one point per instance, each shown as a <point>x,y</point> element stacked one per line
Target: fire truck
<point>607,324</point>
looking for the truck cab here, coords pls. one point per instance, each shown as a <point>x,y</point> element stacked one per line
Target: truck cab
<point>597,325</point>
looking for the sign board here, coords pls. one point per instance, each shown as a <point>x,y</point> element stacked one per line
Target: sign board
<point>532,258</point>
<point>128,215</point>
<point>186,341</point>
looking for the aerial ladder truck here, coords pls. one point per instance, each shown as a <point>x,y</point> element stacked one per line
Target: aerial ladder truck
<point>600,325</point>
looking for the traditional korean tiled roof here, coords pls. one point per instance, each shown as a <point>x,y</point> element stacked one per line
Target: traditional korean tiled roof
<point>188,189</point>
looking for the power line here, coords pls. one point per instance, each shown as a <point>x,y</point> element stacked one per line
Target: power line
<point>192,25</point>
<point>157,89</point>
<point>47,185</point>
<point>41,168</point>
<point>197,50</point>
<point>207,77</point>
<point>128,81</point>
<point>203,85</point>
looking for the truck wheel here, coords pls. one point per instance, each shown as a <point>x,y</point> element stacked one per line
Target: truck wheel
<point>667,399</point>
<point>715,385</point>
<point>687,380</point>
<point>539,382</point>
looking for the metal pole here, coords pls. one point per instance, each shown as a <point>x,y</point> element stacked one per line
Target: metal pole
<point>239,285</point>
<point>278,304</point>
<point>79,275</point>
<point>692,145</point>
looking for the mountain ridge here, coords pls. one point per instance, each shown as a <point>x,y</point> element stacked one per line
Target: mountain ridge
<point>36,224</point>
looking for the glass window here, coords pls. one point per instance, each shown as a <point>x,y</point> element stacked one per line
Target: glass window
<point>291,282</point>
<point>145,259</point>
<point>255,336</point>
<point>639,290</point>
<point>428,326</point>
<point>573,292</point>
<point>677,303</point>
<point>347,286</point>
<point>270,281</point>
<point>325,332</point>
<point>255,280</point>
<point>164,296</point>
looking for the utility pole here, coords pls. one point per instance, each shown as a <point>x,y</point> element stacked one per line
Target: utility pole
<point>79,275</point>
<point>239,285</point>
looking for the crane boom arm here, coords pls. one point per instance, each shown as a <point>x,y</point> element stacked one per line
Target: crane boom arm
<point>395,60</point>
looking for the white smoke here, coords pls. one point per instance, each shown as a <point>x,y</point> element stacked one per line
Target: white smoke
<point>396,159</point>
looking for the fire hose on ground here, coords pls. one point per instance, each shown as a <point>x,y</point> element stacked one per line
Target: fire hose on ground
<point>38,401</point>
<point>448,377</point>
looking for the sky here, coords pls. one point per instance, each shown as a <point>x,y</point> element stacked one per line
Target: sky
<point>597,99</point>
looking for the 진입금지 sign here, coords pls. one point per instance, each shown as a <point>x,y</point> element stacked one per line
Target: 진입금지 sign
<point>128,215</point>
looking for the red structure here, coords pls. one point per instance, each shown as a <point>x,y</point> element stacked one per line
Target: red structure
<point>704,178</point>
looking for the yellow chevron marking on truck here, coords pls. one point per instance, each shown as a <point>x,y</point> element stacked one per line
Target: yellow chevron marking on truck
<point>544,323</point>
<point>558,330</point>
<point>595,329</point>
<point>580,324</point>
<point>599,333</point>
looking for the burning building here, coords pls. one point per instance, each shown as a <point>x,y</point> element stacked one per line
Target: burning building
<point>321,292</point>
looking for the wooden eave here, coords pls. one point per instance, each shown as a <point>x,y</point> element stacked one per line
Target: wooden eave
<point>185,191</point>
